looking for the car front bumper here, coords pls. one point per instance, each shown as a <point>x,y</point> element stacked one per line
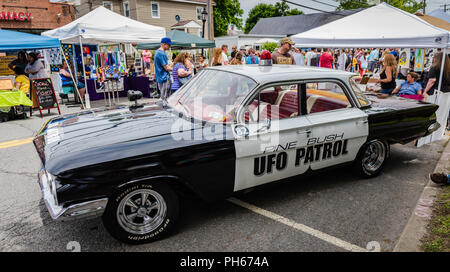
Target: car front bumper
<point>91,208</point>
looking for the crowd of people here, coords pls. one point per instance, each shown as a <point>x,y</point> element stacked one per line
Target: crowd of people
<point>380,63</point>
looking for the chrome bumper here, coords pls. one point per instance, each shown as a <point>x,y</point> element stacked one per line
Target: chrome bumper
<point>433,127</point>
<point>92,208</point>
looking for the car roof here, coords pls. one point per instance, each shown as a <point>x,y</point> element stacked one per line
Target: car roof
<point>282,72</point>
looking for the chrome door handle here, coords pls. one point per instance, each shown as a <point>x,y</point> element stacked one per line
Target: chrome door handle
<point>304,131</point>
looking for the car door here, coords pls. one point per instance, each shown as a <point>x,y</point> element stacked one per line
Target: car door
<point>269,137</point>
<point>338,127</point>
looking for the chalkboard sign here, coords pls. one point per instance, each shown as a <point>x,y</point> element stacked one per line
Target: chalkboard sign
<point>44,94</point>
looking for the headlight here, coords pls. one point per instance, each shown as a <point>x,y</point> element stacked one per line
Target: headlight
<point>53,186</point>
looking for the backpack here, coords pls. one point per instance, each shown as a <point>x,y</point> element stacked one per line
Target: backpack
<point>314,60</point>
<point>348,61</point>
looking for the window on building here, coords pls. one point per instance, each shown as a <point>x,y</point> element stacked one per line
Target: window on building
<point>199,13</point>
<point>108,5</point>
<point>126,9</point>
<point>155,9</point>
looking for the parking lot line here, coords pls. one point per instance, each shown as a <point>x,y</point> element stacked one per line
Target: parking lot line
<point>318,234</point>
<point>15,143</point>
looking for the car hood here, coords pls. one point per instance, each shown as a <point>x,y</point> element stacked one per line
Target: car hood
<point>101,135</point>
<point>394,103</point>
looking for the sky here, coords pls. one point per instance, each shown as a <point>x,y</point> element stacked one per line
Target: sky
<point>247,5</point>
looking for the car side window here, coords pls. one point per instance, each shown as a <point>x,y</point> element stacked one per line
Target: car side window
<point>274,103</point>
<point>325,96</point>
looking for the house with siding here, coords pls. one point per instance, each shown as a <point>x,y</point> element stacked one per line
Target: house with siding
<point>184,15</point>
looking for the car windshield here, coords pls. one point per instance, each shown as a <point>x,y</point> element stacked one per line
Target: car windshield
<point>212,95</point>
<point>363,101</point>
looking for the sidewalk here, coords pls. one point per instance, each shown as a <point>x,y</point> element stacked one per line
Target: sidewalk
<point>416,228</point>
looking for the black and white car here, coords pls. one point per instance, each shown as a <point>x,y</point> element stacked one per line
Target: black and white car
<point>229,129</point>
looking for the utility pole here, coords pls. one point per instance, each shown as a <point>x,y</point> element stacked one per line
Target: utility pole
<point>445,7</point>
<point>210,28</point>
<point>424,5</point>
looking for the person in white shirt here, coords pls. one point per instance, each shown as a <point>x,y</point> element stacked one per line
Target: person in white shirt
<point>342,59</point>
<point>299,57</point>
<point>310,55</point>
<point>224,54</point>
<point>35,68</point>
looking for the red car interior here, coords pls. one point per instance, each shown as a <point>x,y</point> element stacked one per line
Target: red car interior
<point>278,105</point>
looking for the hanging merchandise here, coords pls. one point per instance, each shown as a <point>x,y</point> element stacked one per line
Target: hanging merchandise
<point>86,50</point>
<point>403,58</point>
<point>419,60</point>
<point>109,65</point>
<point>429,55</point>
<point>53,56</point>
<point>67,49</point>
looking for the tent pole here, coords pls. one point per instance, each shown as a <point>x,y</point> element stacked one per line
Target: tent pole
<point>73,78</point>
<point>444,54</point>
<point>441,74</point>
<point>86,93</point>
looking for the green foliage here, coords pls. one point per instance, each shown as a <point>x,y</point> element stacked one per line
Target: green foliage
<point>434,246</point>
<point>226,12</point>
<point>259,11</point>
<point>294,12</point>
<point>266,11</point>
<point>353,4</point>
<point>410,6</point>
<point>269,46</point>
<point>438,237</point>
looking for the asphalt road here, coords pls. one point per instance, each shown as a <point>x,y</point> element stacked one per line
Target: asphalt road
<point>336,204</point>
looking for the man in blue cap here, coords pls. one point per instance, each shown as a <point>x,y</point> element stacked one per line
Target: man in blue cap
<point>162,68</point>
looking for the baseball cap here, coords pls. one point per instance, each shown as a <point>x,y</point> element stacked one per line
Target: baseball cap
<point>166,40</point>
<point>287,40</point>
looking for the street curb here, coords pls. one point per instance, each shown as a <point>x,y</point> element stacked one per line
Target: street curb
<point>415,229</point>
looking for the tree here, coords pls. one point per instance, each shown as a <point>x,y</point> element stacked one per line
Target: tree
<point>226,12</point>
<point>410,6</point>
<point>283,9</point>
<point>353,4</point>
<point>269,46</point>
<point>266,11</point>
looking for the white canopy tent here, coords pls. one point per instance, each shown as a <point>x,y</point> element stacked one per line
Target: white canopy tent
<point>378,26</point>
<point>383,26</point>
<point>102,26</point>
<point>105,26</point>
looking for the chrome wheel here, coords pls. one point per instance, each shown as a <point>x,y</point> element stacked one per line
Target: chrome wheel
<point>141,211</point>
<point>374,156</point>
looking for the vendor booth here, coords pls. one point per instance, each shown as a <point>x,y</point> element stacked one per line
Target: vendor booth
<point>182,40</point>
<point>384,26</point>
<point>9,97</point>
<point>104,27</point>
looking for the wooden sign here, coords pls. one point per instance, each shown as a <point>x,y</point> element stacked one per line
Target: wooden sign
<point>4,69</point>
<point>44,95</point>
<point>6,84</point>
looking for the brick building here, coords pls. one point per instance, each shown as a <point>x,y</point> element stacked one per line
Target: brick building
<point>154,12</point>
<point>34,16</point>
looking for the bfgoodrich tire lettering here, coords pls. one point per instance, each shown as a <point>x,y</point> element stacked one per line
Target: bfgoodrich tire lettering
<point>141,213</point>
<point>371,158</point>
